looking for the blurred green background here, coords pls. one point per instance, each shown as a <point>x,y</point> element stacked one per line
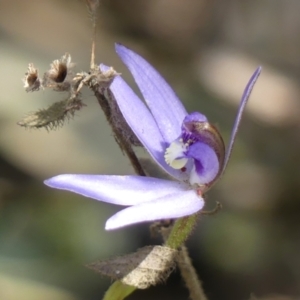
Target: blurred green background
<point>207,50</point>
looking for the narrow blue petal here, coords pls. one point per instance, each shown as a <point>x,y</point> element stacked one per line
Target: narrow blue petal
<point>244,100</point>
<point>141,122</point>
<point>165,106</point>
<point>138,116</point>
<point>207,165</point>
<point>121,190</point>
<point>175,205</point>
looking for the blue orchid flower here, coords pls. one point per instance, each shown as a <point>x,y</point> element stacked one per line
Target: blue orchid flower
<point>186,146</point>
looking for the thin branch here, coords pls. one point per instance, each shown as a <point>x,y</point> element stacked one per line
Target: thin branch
<point>122,142</point>
<point>189,275</point>
<point>92,66</point>
<point>187,270</point>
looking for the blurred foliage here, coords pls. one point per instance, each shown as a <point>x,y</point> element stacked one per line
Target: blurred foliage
<point>46,237</point>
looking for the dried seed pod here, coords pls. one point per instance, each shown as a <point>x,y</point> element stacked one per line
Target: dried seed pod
<point>59,68</point>
<point>58,77</point>
<point>31,80</point>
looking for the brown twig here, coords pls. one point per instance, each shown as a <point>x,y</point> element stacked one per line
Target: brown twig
<point>122,142</point>
<point>189,275</point>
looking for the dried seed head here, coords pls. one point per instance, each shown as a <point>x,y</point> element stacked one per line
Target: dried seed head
<point>57,77</point>
<point>59,68</point>
<point>54,116</point>
<point>31,79</point>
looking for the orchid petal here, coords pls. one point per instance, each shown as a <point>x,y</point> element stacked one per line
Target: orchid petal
<point>137,115</point>
<point>121,190</point>
<point>194,117</point>
<point>175,205</point>
<point>165,106</point>
<point>244,100</point>
<point>141,122</point>
<point>207,165</point>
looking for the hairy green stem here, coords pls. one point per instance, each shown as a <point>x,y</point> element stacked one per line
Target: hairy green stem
<point>178,235</point>
<point>181,231</point>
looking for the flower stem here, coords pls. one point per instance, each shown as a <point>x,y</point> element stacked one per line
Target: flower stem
<point>181,231</point>
<point>175,239</point>
<point>178,235</point>
<point>189,275</point>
